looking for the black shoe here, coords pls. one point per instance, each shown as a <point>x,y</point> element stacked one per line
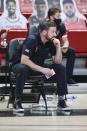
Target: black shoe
<point>62,104</point>
<point>63,108</point>
<point>17,108</point>
<point>71,81</point>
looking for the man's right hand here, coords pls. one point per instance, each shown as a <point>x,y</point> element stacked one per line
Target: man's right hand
<point>56,42</point>
<point>47,72</point>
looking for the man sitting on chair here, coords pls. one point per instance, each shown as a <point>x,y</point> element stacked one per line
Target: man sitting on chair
<point>35,51</point>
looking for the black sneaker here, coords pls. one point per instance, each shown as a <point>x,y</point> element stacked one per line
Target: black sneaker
<point>18,109</point>
<point>63,108</point>
<point>62,104</point>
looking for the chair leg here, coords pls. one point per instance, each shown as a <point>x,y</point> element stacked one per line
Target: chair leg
<point>11,97</point>
<point>65,98</point>
<point>12,94</point>
<point>42,90</point>
<point>8,102</point>
<point>2,98</point>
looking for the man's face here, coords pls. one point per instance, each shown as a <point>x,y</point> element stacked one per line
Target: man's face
<point>11,7</point>
<point>69,9</point>
<point>41,8</point>
<point>50,33</point>
<point>56,15</point>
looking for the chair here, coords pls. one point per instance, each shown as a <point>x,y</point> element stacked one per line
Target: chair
<point>34,82</point>
<point>16,33</point>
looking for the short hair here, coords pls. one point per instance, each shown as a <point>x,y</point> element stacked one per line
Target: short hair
<point>67,1</point>
<point>7,1</point>
<point>53,10</point>
<point>45,25</point>
<point>37,2</point>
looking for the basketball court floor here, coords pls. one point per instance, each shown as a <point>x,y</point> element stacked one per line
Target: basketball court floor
<point>36,117</point>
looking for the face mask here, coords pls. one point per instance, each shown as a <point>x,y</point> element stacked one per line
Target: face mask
<point>57,21</point>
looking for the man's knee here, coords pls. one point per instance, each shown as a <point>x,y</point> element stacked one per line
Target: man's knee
<point>59,68</point>
<point>71,51</point>
<point>20,68</point>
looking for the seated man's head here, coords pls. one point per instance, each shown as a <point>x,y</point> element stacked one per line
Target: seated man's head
<point>68,8</point>
<point>11,7</point>
<point>54,14</point>
<point>47,30</point>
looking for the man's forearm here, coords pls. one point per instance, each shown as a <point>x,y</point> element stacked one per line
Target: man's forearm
<point>65,41</point>
<point>31,64</point>
<point>58,57</point>
<point>46,71</point>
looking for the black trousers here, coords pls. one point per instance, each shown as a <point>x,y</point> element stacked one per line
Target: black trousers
<point>70,54</point>
<point>22,71</point>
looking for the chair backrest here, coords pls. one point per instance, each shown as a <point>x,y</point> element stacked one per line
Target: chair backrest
<point>15,33</point>
<point>15,49</point>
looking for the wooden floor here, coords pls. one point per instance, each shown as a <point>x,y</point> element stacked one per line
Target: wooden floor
<point>36,120</point>
<point>47,123</point>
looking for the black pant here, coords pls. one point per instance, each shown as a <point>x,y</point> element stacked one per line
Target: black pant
<point>22,71</point>
<point>70,54</point>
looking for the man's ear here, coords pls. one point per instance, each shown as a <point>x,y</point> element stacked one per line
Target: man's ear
<point>44,32</point>
<point>51,18</point>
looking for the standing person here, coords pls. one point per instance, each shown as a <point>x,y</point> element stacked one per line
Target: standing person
<point>72,18</point>
<point>12,18</point>
<point>35,51</point>
<point>54,15</point>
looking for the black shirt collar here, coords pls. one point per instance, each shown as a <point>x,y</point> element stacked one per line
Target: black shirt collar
<point>41,43</point>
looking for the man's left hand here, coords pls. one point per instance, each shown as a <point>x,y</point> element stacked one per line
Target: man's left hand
<point>56,42</point>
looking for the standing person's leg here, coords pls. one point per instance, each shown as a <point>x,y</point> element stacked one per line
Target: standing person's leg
<point>70,54</point>
<point>61,84</point>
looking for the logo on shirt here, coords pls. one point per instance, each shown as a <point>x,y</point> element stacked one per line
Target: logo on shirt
<point>26,50</point>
